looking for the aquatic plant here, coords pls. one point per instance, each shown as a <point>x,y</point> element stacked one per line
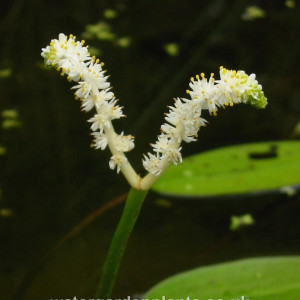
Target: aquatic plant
<point>183,121</point>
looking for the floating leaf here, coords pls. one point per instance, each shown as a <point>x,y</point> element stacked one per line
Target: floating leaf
<point>290,4</point>
<point>172,49</point>
<point>10,113</point>
<point>4,73</point>
<point>253,12</point>
<point>256,278</point>
<point>239,221</point>
<point>2,150</point>
<point>6,212</point>
<point>124,42</point>
<point>247,168</point>
<point>101,31</point>
<point>10,123</point>
<point>110,14</point>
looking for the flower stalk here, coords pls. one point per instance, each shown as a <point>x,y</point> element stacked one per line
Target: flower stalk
<point>117,247</point>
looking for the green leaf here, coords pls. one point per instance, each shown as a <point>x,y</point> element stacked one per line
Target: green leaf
<point>4,73</point>
<point>2,152</point>
<point>110,14</point>
<point>172,49</point>
<point>247,168</point>
<point>275,278</point>
<point>10,114</point>
<point>101,31</point>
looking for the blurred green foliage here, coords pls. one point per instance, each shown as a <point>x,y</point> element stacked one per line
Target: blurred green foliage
<point>239,221</point>
<point>253,12</point>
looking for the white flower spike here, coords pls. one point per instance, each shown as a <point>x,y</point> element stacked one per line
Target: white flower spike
<point>72,58</point>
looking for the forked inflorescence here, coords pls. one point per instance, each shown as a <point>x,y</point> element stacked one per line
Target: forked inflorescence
<point>183,120</point>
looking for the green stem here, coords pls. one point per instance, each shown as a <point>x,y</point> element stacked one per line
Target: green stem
<point>117,247</point>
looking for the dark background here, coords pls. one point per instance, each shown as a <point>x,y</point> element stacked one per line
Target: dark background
<point>51,179</point>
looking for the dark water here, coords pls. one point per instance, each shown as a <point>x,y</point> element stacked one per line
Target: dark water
<point>170,236</point>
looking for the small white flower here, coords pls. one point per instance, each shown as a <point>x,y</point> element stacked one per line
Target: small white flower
<point>152,164</point>
<point>168,148</point>
<point>83,89</point>
<point>123,143</point>
<point>100,121</point>
<point>68,55</point>
<point>96,100</point>
<point>95,75</point>
<point>117,161</point>
<point>107,111</point>
<point>88,103</point>
<point>162,144</point>
<point>173,155</point>
<point>205,92</point>
<point>100,140</point>
<point>231,86</point>
<point>172,132</point>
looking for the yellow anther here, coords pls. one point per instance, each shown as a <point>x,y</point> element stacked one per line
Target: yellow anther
<point>97,60</point>
<point>211,102</point>
<point>82,42</point>
<point>229,98</point>
<point>202,75</point>
<point>196,97</point>
<point>71,36</point>
<point>58,69</point>
<point>62,73</point>
<point>102,64</point>
<point>78,54</point>
<point>197,77</point>
<point>187,91</point>
<point>214,112</point>
<point>53,64</point>
<point>212,74</point>
<point>226,103</point>
<point>192,79</point>
<point>231,103</point>
<point>221,67</point>
<point>95,98</point>
<point>62,46</point>
<point>69,79</point>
